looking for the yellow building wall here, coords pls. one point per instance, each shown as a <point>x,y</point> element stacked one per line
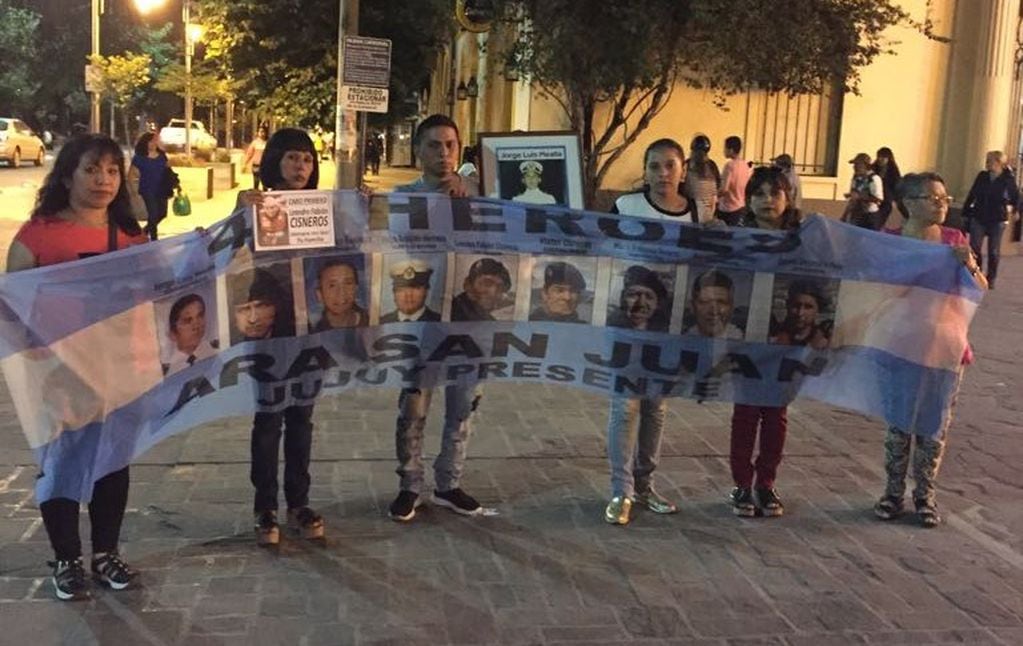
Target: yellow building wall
<point>902,105</point>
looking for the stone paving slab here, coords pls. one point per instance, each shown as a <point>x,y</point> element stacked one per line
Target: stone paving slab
<point>547,570</point>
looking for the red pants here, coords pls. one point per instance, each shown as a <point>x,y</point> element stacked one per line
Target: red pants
<point>773,423</point>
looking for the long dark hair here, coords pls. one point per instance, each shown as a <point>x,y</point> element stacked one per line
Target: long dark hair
<point>702,166</point>
<point>142,145</point>
<point>890,172</point>
<point>778,181</point>
<point>281,142</point>
<point>663,144</point>
<point>55,194</point>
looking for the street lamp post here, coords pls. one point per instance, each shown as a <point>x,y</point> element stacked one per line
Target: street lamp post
<point>189,50</point>
<point>192,34</point>
<point>97,9</point>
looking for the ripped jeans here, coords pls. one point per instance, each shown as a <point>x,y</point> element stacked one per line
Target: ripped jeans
<point>460,403</point>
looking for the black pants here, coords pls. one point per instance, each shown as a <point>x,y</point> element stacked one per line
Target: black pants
<point>156,208</point>
<point>266,443</point>
<point>255,177</point>
<point>106,511</point>
<point>993,231</point>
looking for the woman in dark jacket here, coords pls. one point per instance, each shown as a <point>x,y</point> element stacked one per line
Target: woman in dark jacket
<point>289,163</point>
<point>888,170</point>
<point>986,210</point>
<point>149,166</point>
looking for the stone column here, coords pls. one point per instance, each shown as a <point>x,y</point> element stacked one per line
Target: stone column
<point>990,93</point>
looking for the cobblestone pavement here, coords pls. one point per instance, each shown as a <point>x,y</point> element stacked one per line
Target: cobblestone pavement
<point>547,569</point>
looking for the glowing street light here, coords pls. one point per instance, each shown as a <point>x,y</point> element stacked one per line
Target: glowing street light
<point>193,33</point>
<point>145,6</point>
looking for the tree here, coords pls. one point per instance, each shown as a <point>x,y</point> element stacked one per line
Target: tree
<point>418,31</point>
<point>18,29</point>
<point>286,63</point>
<point>613,65</point>
<point>124,77</point>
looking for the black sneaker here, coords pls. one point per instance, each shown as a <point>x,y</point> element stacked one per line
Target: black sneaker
<point>268,532</point>
<point>457,501</point>
<point>927,513</point>
<point>111,571</point>
<point>742,502</point>
<point>69,582</point>
<point>305,522</point>
<point>888,507</point>
<point>404,506</point>
<point>769,502</point>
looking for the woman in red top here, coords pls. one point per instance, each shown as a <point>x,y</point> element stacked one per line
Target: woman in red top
<point>82,210</point>
<point>926,199</point>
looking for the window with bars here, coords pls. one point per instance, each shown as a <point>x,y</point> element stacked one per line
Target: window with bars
<point>804,126</point>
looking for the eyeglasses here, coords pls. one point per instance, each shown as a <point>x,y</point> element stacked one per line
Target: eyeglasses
<point>933,199</point>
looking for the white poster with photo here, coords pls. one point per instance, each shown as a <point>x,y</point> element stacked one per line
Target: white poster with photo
<point>294,220</point>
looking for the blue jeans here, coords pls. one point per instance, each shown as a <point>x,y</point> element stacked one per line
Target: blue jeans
<point>460,403</point>
<point>634,429</point>
<point>993,231</point>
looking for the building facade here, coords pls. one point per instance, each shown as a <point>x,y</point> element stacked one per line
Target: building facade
<point>938,106</point>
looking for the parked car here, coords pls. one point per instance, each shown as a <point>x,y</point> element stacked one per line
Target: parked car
<point>172,136</point>
<point>18,142</point>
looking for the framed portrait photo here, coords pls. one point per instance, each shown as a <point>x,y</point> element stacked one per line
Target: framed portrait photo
<point>542,168</point>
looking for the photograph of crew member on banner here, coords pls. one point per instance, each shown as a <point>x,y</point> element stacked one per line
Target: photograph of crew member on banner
<point>563,289</point>
<point>542,168</point>
<point>485,287</point>
<point>717,302</point>
<point>538,181</point>
<point>412,288</point>
<point>186,325</point>
<point>640,296</point>
<point>260,302</point>
<point>803,311</point>
<point>336,292</point>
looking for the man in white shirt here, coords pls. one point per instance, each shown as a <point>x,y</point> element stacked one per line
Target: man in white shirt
<point>866,193</point>
<point>532,174</point>
<point>186,328</point>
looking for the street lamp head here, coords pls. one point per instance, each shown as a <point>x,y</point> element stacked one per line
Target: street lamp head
<point>462,92</point>
<point>194,32</point>
<point>473,88</point>
<point>145,6</point>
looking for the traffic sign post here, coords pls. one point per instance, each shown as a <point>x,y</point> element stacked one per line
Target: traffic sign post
<point>366,77</point>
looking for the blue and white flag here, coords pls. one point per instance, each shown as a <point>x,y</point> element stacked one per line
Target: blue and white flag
<point>107,356</point>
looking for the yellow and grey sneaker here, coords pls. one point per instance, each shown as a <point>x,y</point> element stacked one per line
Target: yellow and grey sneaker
<point>618,510</point>
<point>656,503</point>
<point>305,522</point>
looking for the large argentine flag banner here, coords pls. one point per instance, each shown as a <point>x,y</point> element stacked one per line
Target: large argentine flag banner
<point>109,355</point>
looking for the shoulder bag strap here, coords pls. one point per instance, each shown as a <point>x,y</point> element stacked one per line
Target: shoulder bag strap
<point>111,236</point>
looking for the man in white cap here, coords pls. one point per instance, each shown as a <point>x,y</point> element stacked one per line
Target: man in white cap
<point>532,174</point>
<point>437,145</point>
<point>410,282</point>
<point>866,193</point>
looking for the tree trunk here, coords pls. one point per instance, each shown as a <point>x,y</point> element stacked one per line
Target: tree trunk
<point>213,122</point>
<point>113,133</point>
<point>127,133</point>
<point>229,129</point>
